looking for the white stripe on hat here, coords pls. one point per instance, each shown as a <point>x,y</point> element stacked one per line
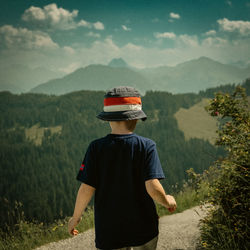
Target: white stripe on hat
<point>128,107</point>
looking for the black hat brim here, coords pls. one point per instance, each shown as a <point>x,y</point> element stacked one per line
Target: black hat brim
<point>122,115</point>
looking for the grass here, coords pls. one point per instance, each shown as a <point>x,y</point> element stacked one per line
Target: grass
<point>195,122</point>
<point>31,235</point>
<point>187,198</point>
<point>36,133</point>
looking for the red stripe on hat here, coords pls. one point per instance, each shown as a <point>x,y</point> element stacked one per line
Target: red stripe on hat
<point>121,100</point>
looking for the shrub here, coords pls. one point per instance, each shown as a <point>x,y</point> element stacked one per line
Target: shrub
<point>227,224</point>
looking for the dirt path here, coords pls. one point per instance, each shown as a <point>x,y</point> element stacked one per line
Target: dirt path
<point>177,232</point>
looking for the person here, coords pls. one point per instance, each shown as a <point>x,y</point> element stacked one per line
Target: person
<point>123,170</point>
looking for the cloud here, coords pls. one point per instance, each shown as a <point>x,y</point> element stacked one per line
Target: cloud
<point>169,35</point>
<point>14,38</point>
<point>53,17</point>
<point>240,27</point>
<point>210,33</point>
<point>84,23</point>
<point>50,16</point>
<point>92,34</point>
<point>187,41</point>
<point>174,15</point>
<point>69,50</point>
<point>98,26</point>
<point>214,42</point>
<point>132,47</point>
<point>70,68</point>
<point>124,27</point>
<point>186,47</point>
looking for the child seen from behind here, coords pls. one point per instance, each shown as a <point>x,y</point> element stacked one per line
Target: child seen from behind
<point>123,171</point>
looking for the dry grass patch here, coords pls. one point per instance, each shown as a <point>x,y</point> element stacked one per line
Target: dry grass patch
<point>36,133</point>
<point>195,122</point>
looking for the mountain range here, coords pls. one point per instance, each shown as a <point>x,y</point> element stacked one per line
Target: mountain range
<point>194,75</point>
<point>19,78</point>
<point>94,77</point>
<point>191,76</point>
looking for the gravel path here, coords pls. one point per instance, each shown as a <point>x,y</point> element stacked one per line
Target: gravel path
<point>177,232</point>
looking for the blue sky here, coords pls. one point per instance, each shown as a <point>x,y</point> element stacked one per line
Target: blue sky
<point>64,35</point>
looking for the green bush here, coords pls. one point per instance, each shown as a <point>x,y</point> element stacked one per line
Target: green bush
<point>227,224</point>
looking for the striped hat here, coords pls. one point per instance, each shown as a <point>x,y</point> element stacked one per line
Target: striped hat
<point>121,104</point>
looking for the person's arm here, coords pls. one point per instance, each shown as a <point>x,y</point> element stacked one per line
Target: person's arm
<point>84,196</point>
<point>157,193</point>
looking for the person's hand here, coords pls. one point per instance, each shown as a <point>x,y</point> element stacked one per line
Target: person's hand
<point>171,203</point>
<point>71,226</point>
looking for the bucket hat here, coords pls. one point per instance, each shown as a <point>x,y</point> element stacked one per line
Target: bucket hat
<point>121,104</point>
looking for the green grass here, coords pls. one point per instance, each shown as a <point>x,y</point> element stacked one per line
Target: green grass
<point>187,198</point>
<point>31,235</point>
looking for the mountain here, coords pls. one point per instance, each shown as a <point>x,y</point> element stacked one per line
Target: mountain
<point>191,76</point>
<point>195,75</point>
<point>118,63</point>
<point>19,78</point>
<point>241,64</point>
<point>94,77</point>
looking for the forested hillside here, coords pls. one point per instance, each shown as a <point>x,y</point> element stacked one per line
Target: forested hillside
<point>42,174</point>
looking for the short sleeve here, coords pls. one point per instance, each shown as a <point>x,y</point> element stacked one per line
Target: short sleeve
<point>87,172</point>
<point>153,169</point>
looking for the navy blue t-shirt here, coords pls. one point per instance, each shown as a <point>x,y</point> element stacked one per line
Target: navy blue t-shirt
<point>118,166</point>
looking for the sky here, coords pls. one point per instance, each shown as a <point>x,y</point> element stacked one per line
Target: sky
<point>64,35</point>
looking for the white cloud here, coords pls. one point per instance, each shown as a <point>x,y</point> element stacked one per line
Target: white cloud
<point>241,27</point>
<point>132,47</point>
<point>102,51</point>
<point>98,26</point>
<point>124,27</point>
<point>174,15</point>
<point>84,23</point>
<point>50,16</point>
<point>70,68</point>
<point>92,34</point>
<point>210,33</point>
<point>169,35</point>
<point>69,50</point>
<point>214,42</point>
<point>187,41</point>
<point>14,38</point>
<point>53,17</point>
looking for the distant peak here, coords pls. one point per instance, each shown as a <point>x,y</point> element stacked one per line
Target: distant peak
<point>118,63</point>
<point>204,58</point>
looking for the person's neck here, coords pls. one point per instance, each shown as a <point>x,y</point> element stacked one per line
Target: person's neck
<point>121,131</point>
